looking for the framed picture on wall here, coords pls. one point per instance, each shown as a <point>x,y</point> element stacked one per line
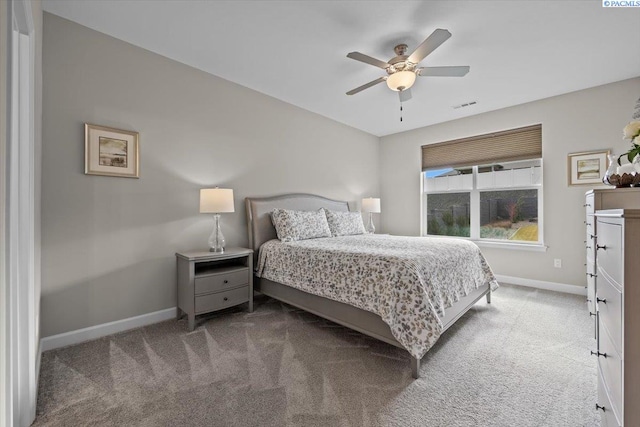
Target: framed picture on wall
<point>110,152</point>
<point>588,167</point>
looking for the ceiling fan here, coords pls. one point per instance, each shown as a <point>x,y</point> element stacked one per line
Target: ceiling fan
<point>402,69</point>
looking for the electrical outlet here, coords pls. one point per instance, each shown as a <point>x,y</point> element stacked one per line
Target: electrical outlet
<point>557,263</point>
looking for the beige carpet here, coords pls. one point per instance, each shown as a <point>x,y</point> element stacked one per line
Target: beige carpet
<point>521,361</point>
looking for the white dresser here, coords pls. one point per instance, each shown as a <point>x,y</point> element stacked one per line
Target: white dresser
<point>612,198</point>
<point>617,301</point>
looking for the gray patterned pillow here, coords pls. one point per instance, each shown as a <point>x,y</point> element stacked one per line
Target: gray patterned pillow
<point>299,225</point>
<point>344,223</point>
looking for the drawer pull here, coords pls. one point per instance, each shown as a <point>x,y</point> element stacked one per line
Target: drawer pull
<point>603,300</point>
<point>225,298</point>
<point>593,236</point>
<point>602,408</point>
<point>591,314</point>
<point>588,247</point>
<point>226,281</point>
<point>603,247</point>
<point>597,353</point>
<point>586,205</point>
<point>592,275</point>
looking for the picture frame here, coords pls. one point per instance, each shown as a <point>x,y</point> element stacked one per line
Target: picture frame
<point>587,167</point>
<point>111,152</point>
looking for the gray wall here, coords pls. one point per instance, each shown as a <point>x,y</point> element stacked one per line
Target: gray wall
<point>590,119</point>
<point>108,244</point>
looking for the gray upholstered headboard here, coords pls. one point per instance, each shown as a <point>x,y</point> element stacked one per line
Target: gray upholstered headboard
<point>259,213</point>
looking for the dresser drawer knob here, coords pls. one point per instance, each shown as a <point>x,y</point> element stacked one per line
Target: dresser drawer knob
<point>603,247</point>
<point>226,281</point>
<point>603,300</point>
<point>602,408</point>
<point>225,298</point>
<point>597,353</point>
<point>591,314</point>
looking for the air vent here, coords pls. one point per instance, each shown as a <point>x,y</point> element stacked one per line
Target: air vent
<point>466,104</point>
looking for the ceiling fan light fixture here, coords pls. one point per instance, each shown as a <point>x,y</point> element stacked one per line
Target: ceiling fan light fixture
<point>401,80</point>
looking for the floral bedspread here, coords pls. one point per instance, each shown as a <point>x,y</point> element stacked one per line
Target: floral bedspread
<point>408,281</point>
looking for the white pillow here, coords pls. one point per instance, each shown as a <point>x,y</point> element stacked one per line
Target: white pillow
<point>344,223</point>
<point>299,225</point>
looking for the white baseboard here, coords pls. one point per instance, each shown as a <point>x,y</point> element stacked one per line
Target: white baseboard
<point>541,284</point>
<point>98,331</point>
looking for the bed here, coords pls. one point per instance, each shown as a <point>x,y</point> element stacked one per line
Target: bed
<point>370,314</point>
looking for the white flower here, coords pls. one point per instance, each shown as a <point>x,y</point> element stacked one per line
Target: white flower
<point>632,130</point>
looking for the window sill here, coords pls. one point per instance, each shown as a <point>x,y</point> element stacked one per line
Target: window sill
<point>496,244</point>
<point>533,247</point>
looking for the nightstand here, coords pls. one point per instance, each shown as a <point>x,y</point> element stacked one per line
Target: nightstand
<point>212,281</point>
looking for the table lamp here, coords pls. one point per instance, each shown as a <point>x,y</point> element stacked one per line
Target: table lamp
<point>216,201</point>
<point>371,205</point>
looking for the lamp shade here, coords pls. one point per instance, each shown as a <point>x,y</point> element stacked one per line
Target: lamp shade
<point>401,80</point>
<point>371,205</point>
<point>216,200</point>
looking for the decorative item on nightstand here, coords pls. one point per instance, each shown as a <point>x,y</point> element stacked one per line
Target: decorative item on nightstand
<point>371,205</point>
<point>216,201</point>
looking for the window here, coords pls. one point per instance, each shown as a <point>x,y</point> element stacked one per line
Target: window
<point>499,201</point>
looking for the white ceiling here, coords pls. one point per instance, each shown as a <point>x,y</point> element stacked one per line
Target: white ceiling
<point>519,51</point>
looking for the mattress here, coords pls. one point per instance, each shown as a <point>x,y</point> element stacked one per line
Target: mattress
<point>408,281</point>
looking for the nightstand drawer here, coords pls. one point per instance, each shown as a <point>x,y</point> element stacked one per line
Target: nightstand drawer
<point>611,369</point>
<point>610,311</point>
<point>227,278</point>
<point>220,300</point>
<point>610,250</point>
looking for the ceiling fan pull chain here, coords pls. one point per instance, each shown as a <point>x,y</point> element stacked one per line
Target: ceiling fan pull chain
<point>400,110</point>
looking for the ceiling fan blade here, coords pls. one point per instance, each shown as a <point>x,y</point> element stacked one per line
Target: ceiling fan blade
<point>454,71</point>
<point>432,42</point>
<point>366,86</point>
<point>367,59</point>
<point>405,95</point>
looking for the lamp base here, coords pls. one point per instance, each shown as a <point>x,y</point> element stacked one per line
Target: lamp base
<point>370,228</point>
<point>216,240</point>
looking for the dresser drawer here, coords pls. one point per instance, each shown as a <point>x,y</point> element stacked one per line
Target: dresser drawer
<point>226,279</point>
<point>590,225</point>
<point>611,369</point>
<point>590,247</point>
<point>220,300</point>
<point>607,416</point>
<point>591,292</point>
<point>610,252</point>
<point>610,310</point>
<point>589,204</point>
